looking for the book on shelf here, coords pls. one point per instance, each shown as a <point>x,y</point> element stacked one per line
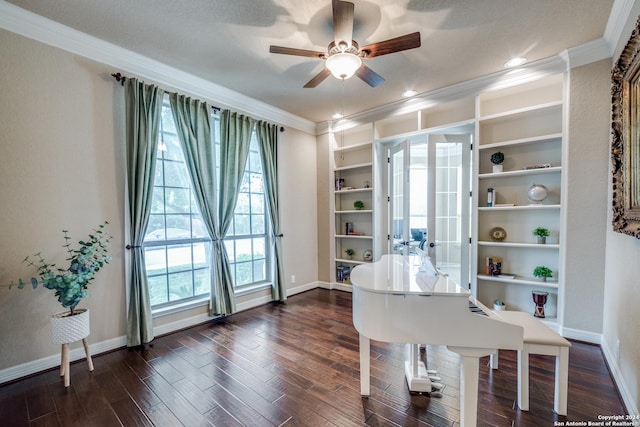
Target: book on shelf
<point>343,273</point>
<point>507,276</point>
<point>348,228</point>
<point>493,266</point>
<point>537,166</point>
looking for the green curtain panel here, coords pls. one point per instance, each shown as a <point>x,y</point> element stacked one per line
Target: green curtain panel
<point>193,124</point>
<point>268,142</point>
<point>235,137</point>
<point>143,108</point>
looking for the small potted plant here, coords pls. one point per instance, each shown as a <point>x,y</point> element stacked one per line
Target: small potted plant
<point>497,158</point>
<point>542,272</point>
<point>70,286</point>
<point>541,233</point>
<point>358,204</point>
<point>499,305</point>
<point>349,252</point>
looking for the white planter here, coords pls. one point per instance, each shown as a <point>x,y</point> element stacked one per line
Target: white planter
<point>497,168</point>
<point>67,329</point>
<point>497,307</point>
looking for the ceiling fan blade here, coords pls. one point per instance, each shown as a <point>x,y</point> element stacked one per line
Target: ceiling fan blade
<point>342,22</point>
<point>319,78</point>
<point>297,52</point>
<point>408,41</point>
<point>370,77</point>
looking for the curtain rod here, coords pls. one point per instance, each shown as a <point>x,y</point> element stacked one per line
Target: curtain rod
<point>121,79</point>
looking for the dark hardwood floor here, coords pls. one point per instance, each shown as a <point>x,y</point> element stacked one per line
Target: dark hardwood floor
<point>292,364</point>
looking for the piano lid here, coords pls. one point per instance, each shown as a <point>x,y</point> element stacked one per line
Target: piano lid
<point>397,274</point>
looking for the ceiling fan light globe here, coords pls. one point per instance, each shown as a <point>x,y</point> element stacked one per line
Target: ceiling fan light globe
<point>343,65</point>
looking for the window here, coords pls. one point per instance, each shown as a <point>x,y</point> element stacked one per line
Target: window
<point>177,244</point>
<point>247,239</point>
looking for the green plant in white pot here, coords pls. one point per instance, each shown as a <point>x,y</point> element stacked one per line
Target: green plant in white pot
<point>542,272</point>
<point>70,286</point>
<point>541,233</point>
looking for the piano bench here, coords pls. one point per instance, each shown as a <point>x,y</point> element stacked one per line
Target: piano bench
<point>538,339</point>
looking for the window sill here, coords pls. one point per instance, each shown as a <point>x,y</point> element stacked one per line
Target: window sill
<point>179,306</point>
<point>204,301</point>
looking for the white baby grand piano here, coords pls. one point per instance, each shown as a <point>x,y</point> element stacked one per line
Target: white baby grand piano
<point>393,301</point>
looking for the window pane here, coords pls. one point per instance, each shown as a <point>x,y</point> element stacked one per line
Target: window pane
<point>155,258</point>
<point>157,289</point>
<point>244,185</point>
<point>177,200</point>
<point>257,203</point>
<point>257,224</point>
<point>243,203</point>
<point>244,273</point>
<point>256,183</point>
<point>200,251</point>
<point>243,250</point>
<point>157,202</point>
<point>241,225</point>
<point>259,270</point>
<point>258,247</point>
<point>175,174</point>
<point>255,163</point>
<point>156,222</point>
<point>180,285</point>
<point>202,281</point>
<point>179,257</point>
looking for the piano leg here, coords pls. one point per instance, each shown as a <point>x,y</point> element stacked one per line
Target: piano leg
<point>365,365</point>
<point>469,375</point>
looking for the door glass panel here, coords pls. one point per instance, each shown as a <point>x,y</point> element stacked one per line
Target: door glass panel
<point>397,200</point>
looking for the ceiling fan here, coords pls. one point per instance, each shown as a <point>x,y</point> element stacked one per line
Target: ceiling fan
<point>344,56</point>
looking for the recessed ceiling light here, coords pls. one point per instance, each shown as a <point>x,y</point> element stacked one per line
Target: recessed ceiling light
<point>337,116</point>
<point>409,93</point>
<point>515,62</point>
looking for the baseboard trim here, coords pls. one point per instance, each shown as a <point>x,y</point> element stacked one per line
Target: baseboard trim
<point>579,335</point>
<point>629,402</point>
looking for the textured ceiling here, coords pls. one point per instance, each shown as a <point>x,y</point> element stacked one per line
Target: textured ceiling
<point>227,41</point>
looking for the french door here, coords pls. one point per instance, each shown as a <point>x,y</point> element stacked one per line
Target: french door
<point>429,200</point>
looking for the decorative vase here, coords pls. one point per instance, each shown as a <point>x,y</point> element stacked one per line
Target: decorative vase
<point>542,240</point>
<point>497,168</point>
<point>539,299</point>
<point>67,329</point>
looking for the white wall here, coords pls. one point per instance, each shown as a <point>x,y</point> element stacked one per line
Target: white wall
<point>622,291</point>
<point>60,170</point>
<point>62,166</point>
<point>586,201</point>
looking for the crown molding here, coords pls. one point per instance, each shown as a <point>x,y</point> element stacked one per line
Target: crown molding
<point>587,53</point>
<point>620,11</point>
<point>44,30</point>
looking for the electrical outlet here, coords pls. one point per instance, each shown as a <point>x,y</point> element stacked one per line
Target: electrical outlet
<point>293,279</point>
